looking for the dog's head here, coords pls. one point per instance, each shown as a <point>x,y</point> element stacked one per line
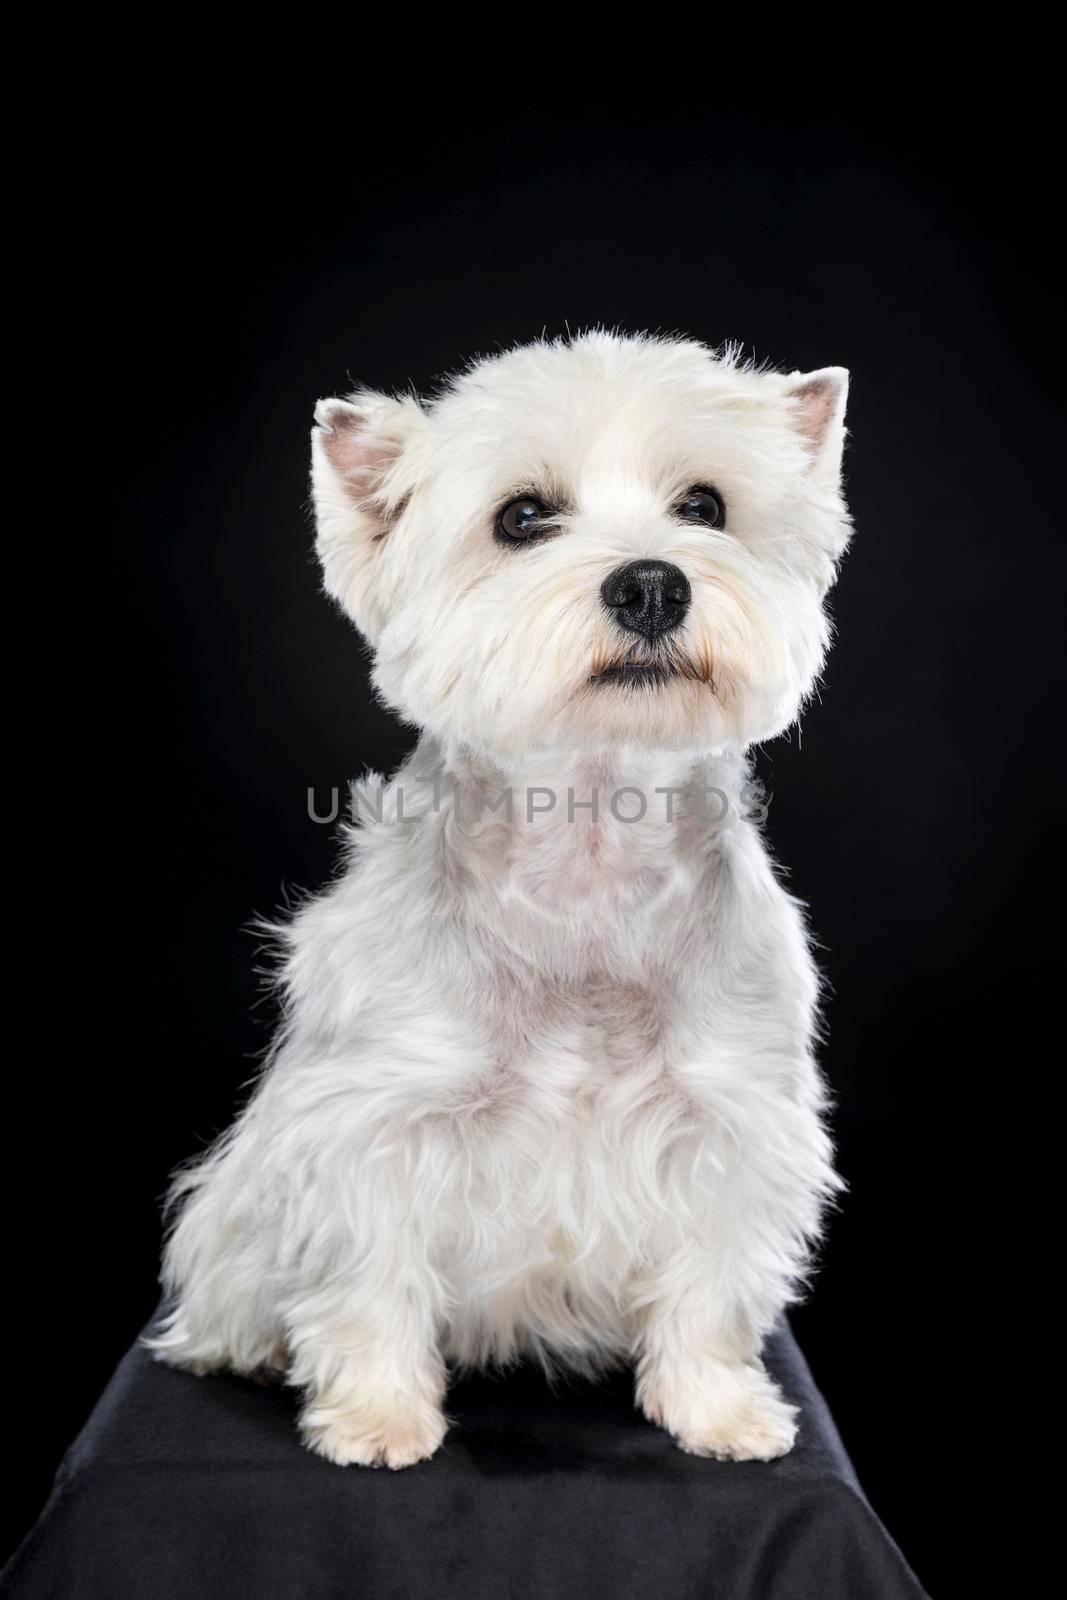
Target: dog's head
<point>590,542</point>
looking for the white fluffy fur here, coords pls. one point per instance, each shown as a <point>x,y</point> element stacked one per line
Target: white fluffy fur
<point>545,1085</point>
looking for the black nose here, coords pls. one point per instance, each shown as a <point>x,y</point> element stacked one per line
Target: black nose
<point>648,597</point>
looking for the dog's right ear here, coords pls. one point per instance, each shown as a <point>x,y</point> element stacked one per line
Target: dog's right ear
<point>362,472</point>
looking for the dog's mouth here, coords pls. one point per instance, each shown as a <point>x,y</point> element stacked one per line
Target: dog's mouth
<point>639,670</point>
<point>652,673</point>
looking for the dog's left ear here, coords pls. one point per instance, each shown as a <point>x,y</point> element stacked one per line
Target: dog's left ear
<point>818,414</point>
<point>363,451</point>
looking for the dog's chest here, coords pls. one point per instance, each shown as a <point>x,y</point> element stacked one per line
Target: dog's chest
<point>619,1034</point>
<point>571,1140</point>
<point>561,1054</point>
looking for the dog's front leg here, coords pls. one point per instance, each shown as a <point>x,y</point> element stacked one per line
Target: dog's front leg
<point>718,1286</point>
<point>367,1357</point>
<point>699,1374</point>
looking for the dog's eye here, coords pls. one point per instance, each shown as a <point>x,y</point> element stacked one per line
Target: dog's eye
<point>522,519</point>
<point>702,505</point>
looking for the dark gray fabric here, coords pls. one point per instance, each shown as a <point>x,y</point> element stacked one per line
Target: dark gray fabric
<point>183,1488</point>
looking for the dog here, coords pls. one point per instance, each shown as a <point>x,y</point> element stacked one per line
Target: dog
<point>545,1084</point>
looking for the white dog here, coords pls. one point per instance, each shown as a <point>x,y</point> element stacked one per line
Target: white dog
<point>546,1081</point>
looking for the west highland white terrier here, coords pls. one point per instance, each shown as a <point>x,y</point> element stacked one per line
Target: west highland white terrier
<point>545,1085</point>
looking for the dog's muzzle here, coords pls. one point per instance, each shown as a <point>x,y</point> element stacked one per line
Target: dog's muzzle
<point>650,598</point>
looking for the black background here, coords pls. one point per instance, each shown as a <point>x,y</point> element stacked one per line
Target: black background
<point>228,281</point>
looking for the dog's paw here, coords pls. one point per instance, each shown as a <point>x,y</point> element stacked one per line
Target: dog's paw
<point>760,1430</point>
<point>378,1438</point>
<point>730,1413</point>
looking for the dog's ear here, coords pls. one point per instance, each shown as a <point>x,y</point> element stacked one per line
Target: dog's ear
<point>818,414</point>
<point>362,472</point>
